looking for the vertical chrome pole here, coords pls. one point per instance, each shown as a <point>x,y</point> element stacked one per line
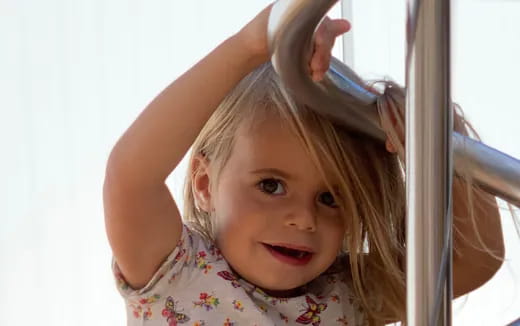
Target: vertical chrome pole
<point>428,161</point>
<point>348,38</point>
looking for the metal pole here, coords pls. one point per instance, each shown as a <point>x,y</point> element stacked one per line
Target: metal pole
<point>291,27</point>
<point>428,161</point>
<point>348,38</point>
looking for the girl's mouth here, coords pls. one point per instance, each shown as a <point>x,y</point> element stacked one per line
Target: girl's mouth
<point>289,255</point>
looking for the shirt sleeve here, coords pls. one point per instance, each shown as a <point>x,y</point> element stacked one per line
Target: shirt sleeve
<point>173,267</point>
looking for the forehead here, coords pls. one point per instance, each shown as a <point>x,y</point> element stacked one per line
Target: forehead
<point>271,143</point>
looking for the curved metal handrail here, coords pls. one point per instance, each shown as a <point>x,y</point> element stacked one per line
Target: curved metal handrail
<point>290,31</point>
<point>291,28</point>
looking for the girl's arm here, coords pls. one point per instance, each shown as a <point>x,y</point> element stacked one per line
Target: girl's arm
<point>477,231</point>
<point>142,220</point>
<point>473,265</point>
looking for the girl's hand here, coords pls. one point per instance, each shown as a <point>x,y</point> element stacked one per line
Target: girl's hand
<point>396,116</point>
<point>397,120</point>
<point>324,39</point>
<point>254,37</point>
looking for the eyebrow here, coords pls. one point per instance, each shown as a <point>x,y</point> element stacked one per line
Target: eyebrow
<point>274,171</point>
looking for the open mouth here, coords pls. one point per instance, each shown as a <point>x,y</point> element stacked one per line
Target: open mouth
<point>289,255</point>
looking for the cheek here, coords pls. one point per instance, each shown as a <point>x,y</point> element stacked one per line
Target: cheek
<point>239,229</point>
<point>334,231</point>
<point>239,201</point>
<point>238,212</point>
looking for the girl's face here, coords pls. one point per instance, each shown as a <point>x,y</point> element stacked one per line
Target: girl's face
<point>276,223</point>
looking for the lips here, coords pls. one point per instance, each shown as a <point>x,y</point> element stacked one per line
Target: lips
<point>290,254</point>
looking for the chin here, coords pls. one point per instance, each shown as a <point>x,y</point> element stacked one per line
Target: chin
<point>282,292</point>
<point>281,282</point>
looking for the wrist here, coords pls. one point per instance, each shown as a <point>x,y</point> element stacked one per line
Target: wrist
<point>255,53</point>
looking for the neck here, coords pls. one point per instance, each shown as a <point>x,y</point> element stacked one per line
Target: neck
<point>276,293</point>
<point>285,293</point>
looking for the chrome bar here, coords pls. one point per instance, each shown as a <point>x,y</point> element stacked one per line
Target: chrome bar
<point>291,28</point>
<point>428,163</point>
<point>496,172</point>
<point>347,38</point>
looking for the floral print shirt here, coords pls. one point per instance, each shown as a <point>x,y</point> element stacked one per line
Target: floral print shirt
<point>196,286</point>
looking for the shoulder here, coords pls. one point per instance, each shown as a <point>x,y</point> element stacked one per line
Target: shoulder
<point>192,252</point>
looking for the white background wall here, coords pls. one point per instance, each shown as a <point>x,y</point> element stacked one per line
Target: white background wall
<point>73,76</point>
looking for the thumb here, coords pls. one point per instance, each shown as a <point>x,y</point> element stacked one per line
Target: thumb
<point>338,26</point>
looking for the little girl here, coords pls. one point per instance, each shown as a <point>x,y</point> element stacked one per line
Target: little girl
<point>288,218</point>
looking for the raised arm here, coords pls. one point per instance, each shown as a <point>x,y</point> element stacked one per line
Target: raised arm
<point>474,265</point>
<point>142,220</point>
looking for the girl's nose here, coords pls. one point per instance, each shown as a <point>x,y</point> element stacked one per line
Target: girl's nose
<point>303,219</point>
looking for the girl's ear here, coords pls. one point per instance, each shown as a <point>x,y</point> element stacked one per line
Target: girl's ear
<point>200,182</point>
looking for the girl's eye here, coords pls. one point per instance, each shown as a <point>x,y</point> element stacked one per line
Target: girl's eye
<point>275,187</point>
<point>270,186</point>
<point>328,199</point>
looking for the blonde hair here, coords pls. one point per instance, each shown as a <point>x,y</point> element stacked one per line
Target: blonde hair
<point>370,181</point>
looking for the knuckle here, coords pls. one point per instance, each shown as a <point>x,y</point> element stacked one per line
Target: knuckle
<point>315,64</point>
<point>319,40</point>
